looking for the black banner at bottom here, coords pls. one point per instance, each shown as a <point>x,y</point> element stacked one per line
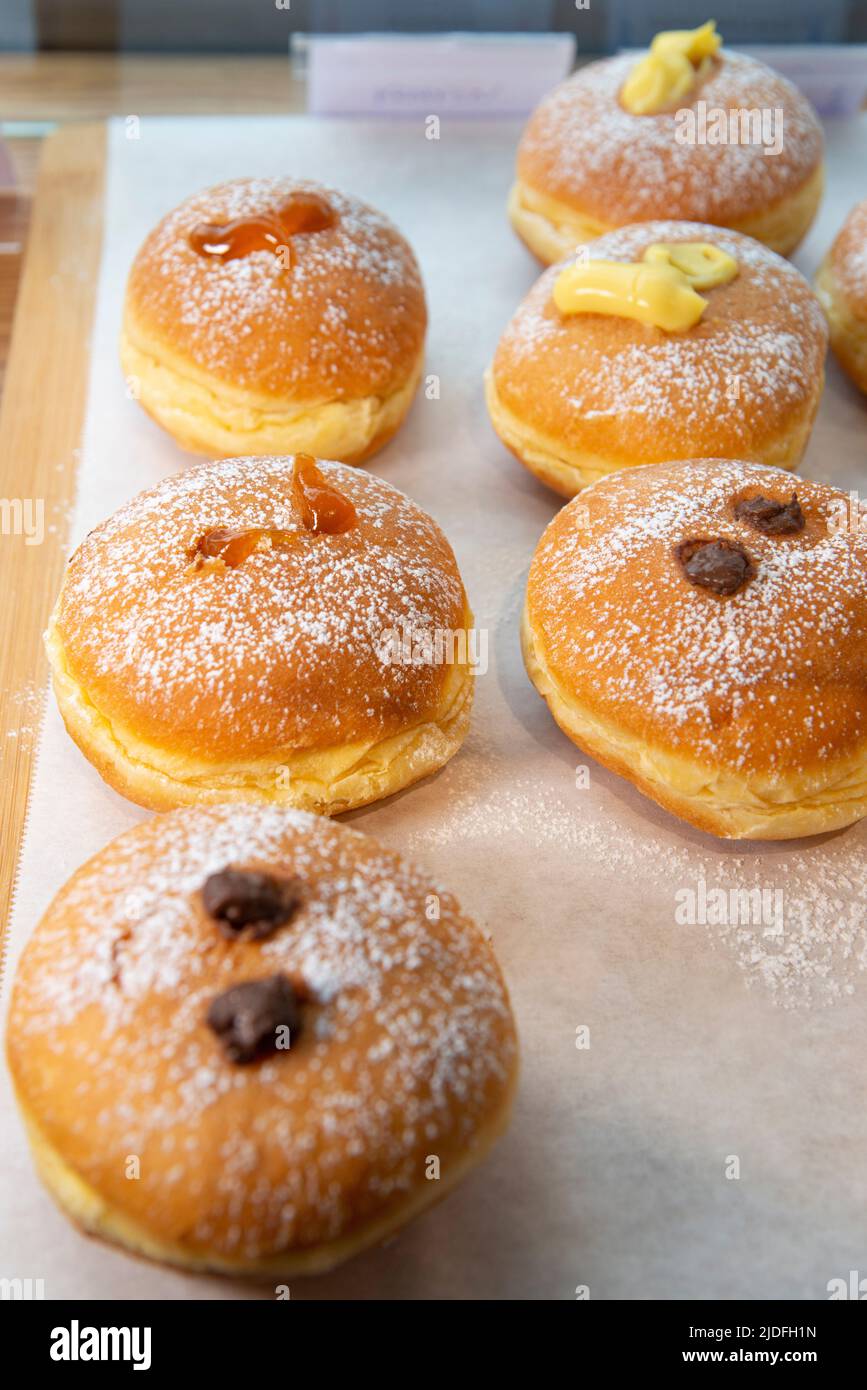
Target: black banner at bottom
<point>250,1338</point>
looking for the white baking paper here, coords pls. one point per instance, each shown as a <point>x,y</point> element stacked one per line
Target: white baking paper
<point>711,1142</point>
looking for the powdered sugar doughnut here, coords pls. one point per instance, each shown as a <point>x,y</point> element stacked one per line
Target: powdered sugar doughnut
<point>842,289</point>
<point>701,629</point>
<point>212,642</point>
<point>586,164</point>
<point>579,396</point>
<point>240,1035</point>
<point>275,316</point>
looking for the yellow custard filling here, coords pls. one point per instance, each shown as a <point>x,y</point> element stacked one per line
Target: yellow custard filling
<point>660,290</point>
<point>676,61</point>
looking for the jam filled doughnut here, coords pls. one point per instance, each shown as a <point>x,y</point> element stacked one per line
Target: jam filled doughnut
<point>701,629</point>
<point>842,289</point>
<point>248,1040</point>
<point>245,630</point>
<point>678,134</point>
<point>665,340</point>
<point>275,316</point>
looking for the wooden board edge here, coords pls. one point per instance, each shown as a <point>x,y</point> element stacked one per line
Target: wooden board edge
<point>41,422</point>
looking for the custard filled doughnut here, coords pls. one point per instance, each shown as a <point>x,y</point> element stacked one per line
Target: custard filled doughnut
<point>584,381</point>
<point>701,629</point>
<point>240,1037</point>
<point>622,141</point>
<point>272,316</point>
<point>842,289</point>
<point>269,629</point>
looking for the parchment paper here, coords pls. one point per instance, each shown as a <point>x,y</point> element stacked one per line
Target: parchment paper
<point>708,1043</point>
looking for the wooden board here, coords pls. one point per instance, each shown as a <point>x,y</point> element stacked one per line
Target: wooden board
<point>85,86</point>
<point>41,420</point>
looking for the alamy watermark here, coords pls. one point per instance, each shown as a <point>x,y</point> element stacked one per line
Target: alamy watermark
<point>847,513</point>
<point>21,1290</point>
<point>735,907</point>
<point>713,125</point>
<point>406,645</point>
<point>23,516</point>
<point>853,1287</point>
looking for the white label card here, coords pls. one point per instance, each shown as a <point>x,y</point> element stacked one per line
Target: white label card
<point>464,75</point>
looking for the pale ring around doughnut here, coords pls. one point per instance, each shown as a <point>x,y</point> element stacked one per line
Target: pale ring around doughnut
<point>841,285</point>
<point>743,713</point>
<point>280,680</point>
<point>150,1136</point>
<point>586,165</point>
<point>253,356</point>
<point>576,397</point>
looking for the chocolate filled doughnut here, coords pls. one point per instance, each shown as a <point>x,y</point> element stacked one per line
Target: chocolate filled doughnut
<point>237,633</point>
<point>666,340</point>
<point>275,316</point>
<point>265,1074</point>
<point>691,131</point>
<point>842,289</point>
<point>701,629</point>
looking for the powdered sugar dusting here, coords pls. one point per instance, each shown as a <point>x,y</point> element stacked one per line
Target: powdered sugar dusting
<point>752,360</point>
<point>767,680</point>
<point>346,318</point>
<point>815,958</point>
<point>849,258</point>
<point>583,147</point>
<point>406,1036</point>
<point>287,646</point>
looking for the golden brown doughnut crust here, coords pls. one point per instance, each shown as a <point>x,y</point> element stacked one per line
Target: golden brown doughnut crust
<point>346,321</point>
<point>841,285</point>
<point>286,651</point>
<point>583,148</point>
<point>745,714</point>
<point>628,393</point>
<point>849,260</point>
<point>406,1049</point>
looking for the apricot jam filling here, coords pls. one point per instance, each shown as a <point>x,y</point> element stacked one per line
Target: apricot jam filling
<point>299,214</point>
<point>324,511</point>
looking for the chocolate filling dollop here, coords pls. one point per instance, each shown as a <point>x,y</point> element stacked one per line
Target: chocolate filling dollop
<point>770,517</point>
<point>246,1017</point>
<point>247,905</point>
<point>719,565</point>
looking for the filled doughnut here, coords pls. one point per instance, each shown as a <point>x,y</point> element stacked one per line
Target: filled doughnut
<point>661,341</point>
<point>248,1040</point>
<point>701,629</point>
<point>273,316</point>
<point>689,131</point>
<point>272,628</point>
<point>842,289</point>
